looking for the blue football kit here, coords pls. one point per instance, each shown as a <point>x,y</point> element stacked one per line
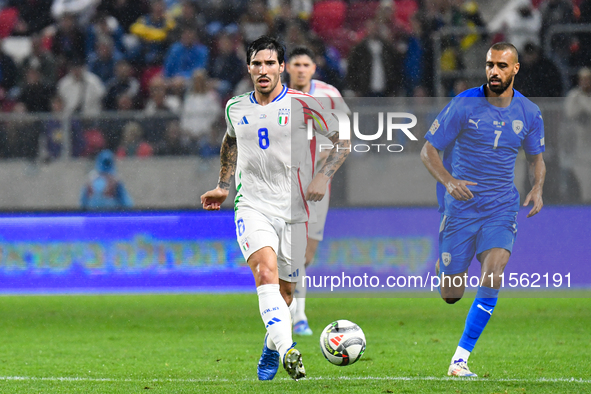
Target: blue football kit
<point>480,143</point>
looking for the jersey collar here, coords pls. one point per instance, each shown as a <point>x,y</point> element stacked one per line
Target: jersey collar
<point>279,97</point>
<point>312,87</point>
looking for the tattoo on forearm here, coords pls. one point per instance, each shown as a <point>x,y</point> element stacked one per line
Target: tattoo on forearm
<point>337,156</point>
<point>228,156</point>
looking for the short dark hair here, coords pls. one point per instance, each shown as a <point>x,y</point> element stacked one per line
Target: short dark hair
<point>265,42</point>
<point>503,46</point>
<point>299,51</point>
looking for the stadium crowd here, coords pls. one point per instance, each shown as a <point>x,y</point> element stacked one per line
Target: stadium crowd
<point>178,61</point>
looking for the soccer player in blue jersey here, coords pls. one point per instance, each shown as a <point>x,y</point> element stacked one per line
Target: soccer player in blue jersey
<point>480,133</point>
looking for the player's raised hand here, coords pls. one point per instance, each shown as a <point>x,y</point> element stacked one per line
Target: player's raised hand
<point>317,188</point>
<point>534,195</point>
<point>213,199</point>
<point>458,189</point>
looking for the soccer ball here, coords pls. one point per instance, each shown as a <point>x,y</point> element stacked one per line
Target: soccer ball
<point>342,342</point>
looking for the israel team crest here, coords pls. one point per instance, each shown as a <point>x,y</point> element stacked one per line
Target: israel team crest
<point>283,116</point>
<point>517,126</point>
<point>446,258</point>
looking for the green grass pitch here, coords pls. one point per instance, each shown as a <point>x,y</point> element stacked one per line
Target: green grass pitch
<point>211,344</point>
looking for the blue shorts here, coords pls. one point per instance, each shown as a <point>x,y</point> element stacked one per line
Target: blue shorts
<point>461,238</point>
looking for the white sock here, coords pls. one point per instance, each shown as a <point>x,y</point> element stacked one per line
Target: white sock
<point>276,317</point>
<point>293,307</point>
<point>300,293</point>
<point>461,353</point>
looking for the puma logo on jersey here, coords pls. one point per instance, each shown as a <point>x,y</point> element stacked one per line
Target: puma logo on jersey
<point>474,122</point>
<point>243,121</point>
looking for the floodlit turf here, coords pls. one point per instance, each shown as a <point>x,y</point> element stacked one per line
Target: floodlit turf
<point>211,344</point>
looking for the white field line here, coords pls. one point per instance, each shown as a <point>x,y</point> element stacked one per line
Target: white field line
<point>315,378</point>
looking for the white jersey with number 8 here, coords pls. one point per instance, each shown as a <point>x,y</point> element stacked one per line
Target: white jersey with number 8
<point>275,163</point>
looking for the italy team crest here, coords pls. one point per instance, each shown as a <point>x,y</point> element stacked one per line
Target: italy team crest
<point>283,116</point>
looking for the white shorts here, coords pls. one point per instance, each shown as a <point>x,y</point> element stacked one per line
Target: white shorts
<point>255,230</point>
<point>316,229</point>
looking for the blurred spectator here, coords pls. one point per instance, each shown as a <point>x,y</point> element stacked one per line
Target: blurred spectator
<point>112,127</point>
<point>185,56</point>
<point>460,85</point>
<point>282,14</point>
<point>413,61</point>
<point>297,34</point>
<point>104,26</point>
<point>575,141</point>
<point>54,131</point>
<point>538,76</point>
<point>431,20</point>
<point>375,68</point>
<point>226,67</point>
<point>557,12</point>
<point>201,109</point>
<point>20,137</point>
<point>523,25</point>
<point>153,31</point>
<point>328,62</point>
<point>159,100</point>
<point>172,144</point>
<point>256,22</point>
<point>68,42</point>
<point>35,93</point>
<point>245,85</point>
<point>189,18</point>
<point>81,90</point>
<point>34,15</point>
<point>103,189</point>
<point>293,8</point>
<point>83,9</point>
<point>9,21</point>
<point>160,109</point>
<point>583,55</point>
<point>133,143</point>
<point>123,84</point>
<point>102,62</point>
<point>8,74</point>
<point>41,59</point>
<point>125,11</point>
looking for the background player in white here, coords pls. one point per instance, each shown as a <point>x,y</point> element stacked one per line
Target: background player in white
<point>269,153</point>
<point>301,67</point>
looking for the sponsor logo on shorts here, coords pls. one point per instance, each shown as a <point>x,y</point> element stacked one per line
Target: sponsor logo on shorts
<point>446,258</point>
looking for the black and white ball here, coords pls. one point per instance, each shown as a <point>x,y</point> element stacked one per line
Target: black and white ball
<point>342,342</point>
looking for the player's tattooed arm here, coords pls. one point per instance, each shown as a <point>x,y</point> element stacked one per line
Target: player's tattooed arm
<point>228,157</point>
<point>338,154</point>
<point>537,175</point>
<point>213,199</point>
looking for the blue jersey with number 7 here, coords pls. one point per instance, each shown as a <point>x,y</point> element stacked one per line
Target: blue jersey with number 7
<point>480,142</point>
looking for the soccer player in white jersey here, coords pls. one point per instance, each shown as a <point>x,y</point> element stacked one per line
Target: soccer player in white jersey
<point>266,146</point>
<point>301,68</point>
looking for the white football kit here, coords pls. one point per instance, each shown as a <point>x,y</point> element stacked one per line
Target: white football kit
<point>273,171</point>
<point>324,91</point>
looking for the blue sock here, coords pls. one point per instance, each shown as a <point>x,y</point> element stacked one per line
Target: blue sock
<point>480,313</point>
